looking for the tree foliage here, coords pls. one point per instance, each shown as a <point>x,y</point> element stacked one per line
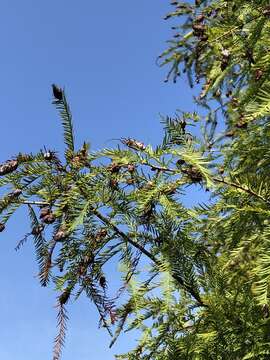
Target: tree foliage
<point>194,280</point>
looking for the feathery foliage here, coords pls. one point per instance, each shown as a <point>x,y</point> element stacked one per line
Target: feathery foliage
<point>194,280</point>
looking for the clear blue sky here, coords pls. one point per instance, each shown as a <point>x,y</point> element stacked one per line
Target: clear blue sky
<point>104,53</point>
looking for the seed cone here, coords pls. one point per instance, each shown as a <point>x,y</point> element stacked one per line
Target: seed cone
<point>48,219</point>
<point>57,92</point>
<point>60,235</point>
<point>103,282</point>
<point>44,212</point>
<point>8,167</point>
<point>37,230</point>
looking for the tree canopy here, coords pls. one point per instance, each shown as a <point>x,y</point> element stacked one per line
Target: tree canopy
<point>193,280</point>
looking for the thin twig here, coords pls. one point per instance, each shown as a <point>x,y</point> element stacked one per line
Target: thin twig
<point>237,186</point>
<point>30,202</point>
<point>38,203</point>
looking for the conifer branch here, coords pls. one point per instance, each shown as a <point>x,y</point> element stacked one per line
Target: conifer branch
<point>156,261</point>
<point>237,186</point>
<point>225,34</point>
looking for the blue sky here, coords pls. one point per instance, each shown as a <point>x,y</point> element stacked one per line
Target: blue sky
<point>104,53</point>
